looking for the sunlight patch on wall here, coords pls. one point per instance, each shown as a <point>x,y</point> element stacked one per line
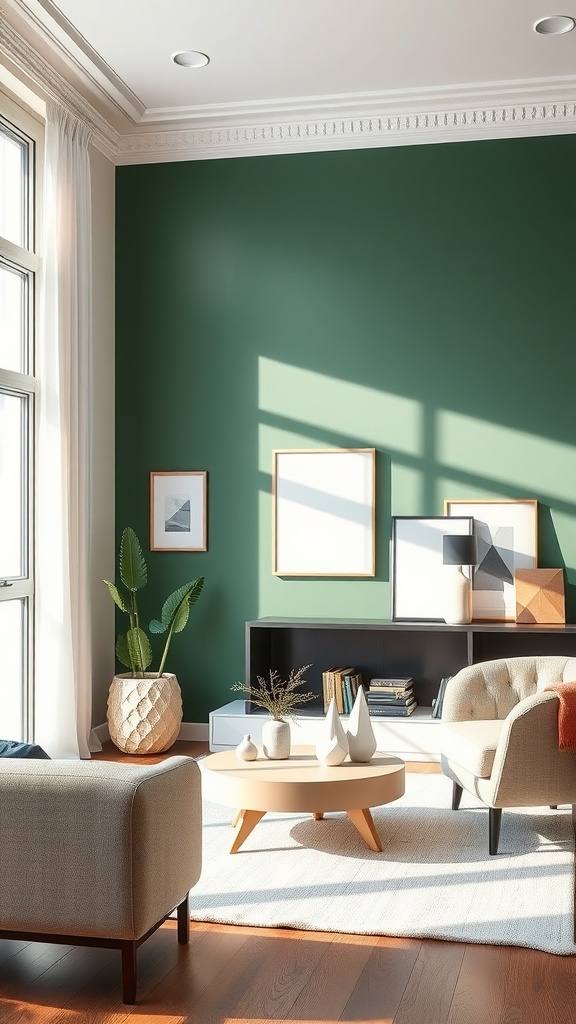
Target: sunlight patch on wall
<point>270,438</point>
<point>498,454</point>
<point>370,417</point>
<point>305,409</point>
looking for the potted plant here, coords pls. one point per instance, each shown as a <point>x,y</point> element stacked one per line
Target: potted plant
<point>145,708</point>
<point>280,698</point>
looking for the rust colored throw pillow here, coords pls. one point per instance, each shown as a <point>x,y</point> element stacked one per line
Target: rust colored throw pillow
<point>566,714</point>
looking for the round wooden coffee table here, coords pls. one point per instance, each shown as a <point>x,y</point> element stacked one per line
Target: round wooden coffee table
<point>301,783</point>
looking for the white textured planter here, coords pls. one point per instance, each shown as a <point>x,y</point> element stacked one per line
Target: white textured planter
<point>276,739</point>
<point>144,712</point>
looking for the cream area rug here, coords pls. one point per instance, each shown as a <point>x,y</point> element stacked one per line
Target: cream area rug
<point>434,877</point>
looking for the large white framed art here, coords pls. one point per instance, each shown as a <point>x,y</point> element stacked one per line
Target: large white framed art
<point>507,538</point>
<point>178,511</point>
<point>324,512</point>
<point>417,567</point>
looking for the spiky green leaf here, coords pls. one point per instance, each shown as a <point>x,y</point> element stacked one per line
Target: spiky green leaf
<point>139,649</point>
<point>122,652</point>
<point>176,608</point>
<point>133,571</point>
<point>116,596</point>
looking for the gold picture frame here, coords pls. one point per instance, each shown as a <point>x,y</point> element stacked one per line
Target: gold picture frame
<point>324,512</point>
<point>507,538</point>
<point>178,503</point>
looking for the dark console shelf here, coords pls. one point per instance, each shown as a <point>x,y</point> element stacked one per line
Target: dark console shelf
<point>426,651</point>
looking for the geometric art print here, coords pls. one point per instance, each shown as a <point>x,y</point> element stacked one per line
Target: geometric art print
<point>177,513</point>
<point>506,538</point>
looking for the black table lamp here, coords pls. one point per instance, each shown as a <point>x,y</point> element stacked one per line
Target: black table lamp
<point>458,550</point>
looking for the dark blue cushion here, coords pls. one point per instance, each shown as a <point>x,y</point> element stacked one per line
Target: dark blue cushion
<point>12,748</point>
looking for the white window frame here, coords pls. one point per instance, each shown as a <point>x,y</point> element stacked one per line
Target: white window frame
<point>21,122</point>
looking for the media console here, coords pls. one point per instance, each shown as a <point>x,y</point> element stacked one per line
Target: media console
<point>426,651</point>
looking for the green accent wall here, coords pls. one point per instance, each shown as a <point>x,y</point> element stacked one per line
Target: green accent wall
<point>419,300</point>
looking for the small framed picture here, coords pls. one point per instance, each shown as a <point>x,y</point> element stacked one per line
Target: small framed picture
<point>178,511</point>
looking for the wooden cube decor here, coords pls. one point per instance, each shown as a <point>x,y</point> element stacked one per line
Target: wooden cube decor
<point>540,595</point>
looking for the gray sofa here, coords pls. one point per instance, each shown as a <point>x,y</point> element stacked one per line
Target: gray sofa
<point>98,853</point>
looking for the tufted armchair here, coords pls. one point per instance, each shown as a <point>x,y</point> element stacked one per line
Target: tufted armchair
<point>500,736</point>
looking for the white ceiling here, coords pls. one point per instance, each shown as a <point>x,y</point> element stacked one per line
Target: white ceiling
<point>286,58</point>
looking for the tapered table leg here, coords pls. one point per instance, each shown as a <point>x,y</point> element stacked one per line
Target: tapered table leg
<point>363,821</point>
<point>248,821</point>
<point>318,815</point>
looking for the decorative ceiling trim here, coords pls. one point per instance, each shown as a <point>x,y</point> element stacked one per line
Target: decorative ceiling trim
<point>27,59</point>
<point>293,125</point>
<point>58,35</point>
<point>333,133</point>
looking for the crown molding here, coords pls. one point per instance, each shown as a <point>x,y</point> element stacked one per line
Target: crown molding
<point>56,35</point>
<point>403,128</point>
<point>62,66</point>
<point>19,53</point>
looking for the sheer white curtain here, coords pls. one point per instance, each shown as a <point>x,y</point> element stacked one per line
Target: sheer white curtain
<point>63,662</point>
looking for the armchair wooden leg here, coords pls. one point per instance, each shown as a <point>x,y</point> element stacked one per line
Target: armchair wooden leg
<point>129,972</point>
<point>456,796</point>
<point>574,863</point>
<point>553,807</point>
<point>183,917</point>
<point>494,822</point>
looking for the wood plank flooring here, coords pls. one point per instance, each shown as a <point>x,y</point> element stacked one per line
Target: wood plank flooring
<point>234,975</point>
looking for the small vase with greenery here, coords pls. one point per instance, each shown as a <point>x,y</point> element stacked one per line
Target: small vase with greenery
<point>280,698</point>
<point>145,708</point>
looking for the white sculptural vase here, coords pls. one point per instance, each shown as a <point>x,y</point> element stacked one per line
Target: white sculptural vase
<point>276,739</point>
<point>332,745</point>
<point>144,712</point>
<point>359,733</point>
<point>246,750</point>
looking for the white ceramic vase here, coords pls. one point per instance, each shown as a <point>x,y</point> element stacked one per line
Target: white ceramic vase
<point>332,745</point>
<point>457,597</point>
<point>360,734</point>
<point>276,739</point>
<point>246,750</point>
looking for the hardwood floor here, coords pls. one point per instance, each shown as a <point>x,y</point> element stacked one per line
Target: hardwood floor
<point>233,975</point>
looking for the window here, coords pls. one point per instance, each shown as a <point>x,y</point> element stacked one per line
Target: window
<point>19,145</point>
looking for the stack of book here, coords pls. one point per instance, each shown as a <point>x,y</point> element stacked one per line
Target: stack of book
<point>390,697</point>
<point>342,684</point>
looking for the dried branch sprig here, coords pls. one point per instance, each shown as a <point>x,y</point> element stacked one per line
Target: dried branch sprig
<point>280,697</point>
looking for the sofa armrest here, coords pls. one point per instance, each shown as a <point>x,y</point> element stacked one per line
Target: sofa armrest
<point>97,848</point>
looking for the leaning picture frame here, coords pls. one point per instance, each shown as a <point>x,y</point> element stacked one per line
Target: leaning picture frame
<point>417,566</point>
<point>178,511</point>
<point>324,512</point>
<point>507,539</point>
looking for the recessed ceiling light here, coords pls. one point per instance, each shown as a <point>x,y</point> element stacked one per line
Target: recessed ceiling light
<point>556,25</point>
<point>190,59</point>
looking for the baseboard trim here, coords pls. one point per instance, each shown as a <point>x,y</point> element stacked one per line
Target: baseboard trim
<point>194,731</point>
<point>191,731</point>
